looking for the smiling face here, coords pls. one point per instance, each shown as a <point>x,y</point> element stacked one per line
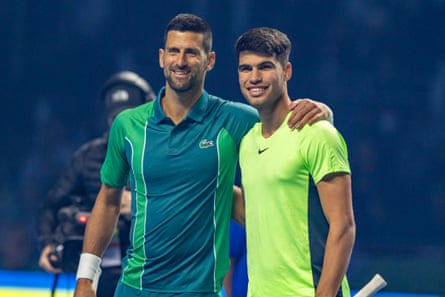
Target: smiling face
<point>185,61</point>
<point>262,79</point>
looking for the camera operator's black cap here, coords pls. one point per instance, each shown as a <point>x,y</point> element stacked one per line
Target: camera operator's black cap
<point>125,90</point>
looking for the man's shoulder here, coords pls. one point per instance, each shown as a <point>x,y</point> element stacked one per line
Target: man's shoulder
<point>319,127</point>
<point>140,110</point>
<point>321,133</point>
<point>138,114</point>
<point>233,107</point>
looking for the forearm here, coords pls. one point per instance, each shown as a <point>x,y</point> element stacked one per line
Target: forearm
<point>99,230</point>
<point>337,256</point>
<point>101,225</point>
<point>336,200</point>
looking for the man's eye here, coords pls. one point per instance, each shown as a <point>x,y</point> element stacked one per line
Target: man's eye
<point>265,67</point>
<point>191,53</point>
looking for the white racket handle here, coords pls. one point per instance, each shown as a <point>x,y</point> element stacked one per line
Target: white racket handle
<point>373,286</point>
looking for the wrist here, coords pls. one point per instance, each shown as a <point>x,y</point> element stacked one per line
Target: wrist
<point>89,268</point>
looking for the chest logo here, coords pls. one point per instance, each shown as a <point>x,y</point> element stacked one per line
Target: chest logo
<point>205,143</point>
<point>260,151</point>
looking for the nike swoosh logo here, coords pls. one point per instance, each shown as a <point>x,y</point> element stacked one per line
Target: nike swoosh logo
<point>260,151</point>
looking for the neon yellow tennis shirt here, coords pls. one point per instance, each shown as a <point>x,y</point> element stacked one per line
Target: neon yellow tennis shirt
<point>285,225</point>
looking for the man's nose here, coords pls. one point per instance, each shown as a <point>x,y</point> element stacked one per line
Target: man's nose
<point>255,76</point>
<point>181,59</point>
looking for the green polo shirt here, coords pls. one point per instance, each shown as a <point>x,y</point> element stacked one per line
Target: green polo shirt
<point>181,180</point>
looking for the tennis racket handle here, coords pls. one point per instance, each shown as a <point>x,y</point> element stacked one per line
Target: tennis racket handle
<point>373,286</point>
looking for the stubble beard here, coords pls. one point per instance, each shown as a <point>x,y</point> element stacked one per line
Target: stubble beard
<point>179,87</point>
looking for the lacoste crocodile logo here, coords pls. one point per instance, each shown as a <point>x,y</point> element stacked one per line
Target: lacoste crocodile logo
<point>205,143</point>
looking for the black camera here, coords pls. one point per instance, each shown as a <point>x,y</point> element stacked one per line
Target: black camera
<point>69,236</point>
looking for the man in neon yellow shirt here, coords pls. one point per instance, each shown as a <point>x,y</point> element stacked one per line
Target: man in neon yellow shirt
<point>299,238</point>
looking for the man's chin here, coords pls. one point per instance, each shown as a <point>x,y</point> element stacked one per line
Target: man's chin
<point>178,86</point>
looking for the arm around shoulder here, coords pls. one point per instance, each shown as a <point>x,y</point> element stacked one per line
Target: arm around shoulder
<point>308,111</point>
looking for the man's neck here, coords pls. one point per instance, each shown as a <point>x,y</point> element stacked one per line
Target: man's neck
<point>177,105</point>
<point>272,118</point>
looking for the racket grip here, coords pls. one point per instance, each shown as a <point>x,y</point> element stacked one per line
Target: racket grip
<point>373,286</point>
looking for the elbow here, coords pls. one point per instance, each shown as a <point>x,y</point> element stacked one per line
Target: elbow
<point>239,217</point>
<point>349,232</point>
<point>345,233</point>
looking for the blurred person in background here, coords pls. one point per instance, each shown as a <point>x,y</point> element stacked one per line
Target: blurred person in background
<point>63,215</point>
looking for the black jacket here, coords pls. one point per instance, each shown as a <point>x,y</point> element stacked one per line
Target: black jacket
<point>78,185</point>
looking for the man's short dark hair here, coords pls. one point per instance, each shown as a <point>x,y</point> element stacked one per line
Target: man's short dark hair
<point>184,22</point>
<point>265,40</point>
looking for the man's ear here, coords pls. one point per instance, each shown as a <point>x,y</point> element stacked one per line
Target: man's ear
<point>161,58</point>
<point>288,71</point>
<point>211,61</point>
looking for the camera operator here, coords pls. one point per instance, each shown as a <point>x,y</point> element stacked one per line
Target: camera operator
<point>62,217</point>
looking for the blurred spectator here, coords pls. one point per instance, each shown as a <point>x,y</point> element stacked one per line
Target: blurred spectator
<point>60,224</point>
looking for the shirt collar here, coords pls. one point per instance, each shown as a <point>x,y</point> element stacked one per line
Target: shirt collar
<point>196,114</point>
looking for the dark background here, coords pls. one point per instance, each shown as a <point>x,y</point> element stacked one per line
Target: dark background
<point>380,65</point>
